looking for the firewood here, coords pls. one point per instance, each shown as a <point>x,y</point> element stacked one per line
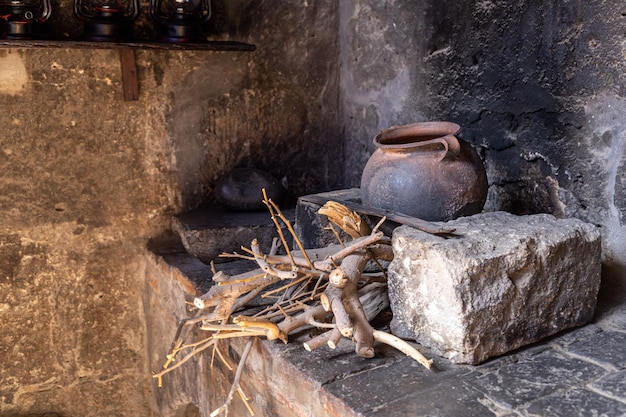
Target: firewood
<point>322,288</point>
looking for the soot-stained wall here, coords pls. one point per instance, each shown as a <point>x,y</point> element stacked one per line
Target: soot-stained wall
<point>538,88</point>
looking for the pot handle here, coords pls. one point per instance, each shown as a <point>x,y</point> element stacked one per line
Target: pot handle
<point>449,142</point>
<point>451,145</point>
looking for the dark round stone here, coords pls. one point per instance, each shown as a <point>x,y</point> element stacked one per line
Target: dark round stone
<point>242,189</point>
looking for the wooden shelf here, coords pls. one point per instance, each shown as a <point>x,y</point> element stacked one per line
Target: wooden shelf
<point>195,46</point>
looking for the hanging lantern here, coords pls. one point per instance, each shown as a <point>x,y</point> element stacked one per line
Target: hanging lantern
<point>181,20</point>
<point>107,20</point>
<point>23,19</point>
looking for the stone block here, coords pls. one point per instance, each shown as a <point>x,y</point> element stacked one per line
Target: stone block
<point>311,227</point>
<point>502,282</point>
<point>207,232</point>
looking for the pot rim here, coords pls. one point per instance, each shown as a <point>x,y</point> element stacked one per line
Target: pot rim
<point>399,137</point>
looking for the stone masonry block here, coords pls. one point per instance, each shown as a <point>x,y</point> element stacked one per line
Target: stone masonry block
<point>311,227</point>
<point>209,231</point>
<point>503,282</point>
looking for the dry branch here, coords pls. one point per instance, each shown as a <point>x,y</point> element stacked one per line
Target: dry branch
<point>235,387</point>
<point>330,338</point>
<point>402,346</point>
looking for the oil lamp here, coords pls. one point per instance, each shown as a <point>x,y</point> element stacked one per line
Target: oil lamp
<point>107,20</point>
<point>23,19</point>
<point>181,20</point>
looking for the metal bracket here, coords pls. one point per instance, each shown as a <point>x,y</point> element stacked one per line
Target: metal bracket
<point>129,74</point>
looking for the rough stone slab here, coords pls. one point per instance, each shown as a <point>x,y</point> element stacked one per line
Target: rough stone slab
<point>406,388</point>
<point>608,348</point>
<point>505,281</point>
<point>454,398</point>
<point>207,232</point>
<point>531,377</point>
<point>577,402</point>
<point>612,385</point>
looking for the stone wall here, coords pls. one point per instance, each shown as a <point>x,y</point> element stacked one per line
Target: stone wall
<point>88,179</point>
<point>537,87</point>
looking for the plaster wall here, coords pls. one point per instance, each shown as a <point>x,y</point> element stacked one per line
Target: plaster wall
<point>89,179</point>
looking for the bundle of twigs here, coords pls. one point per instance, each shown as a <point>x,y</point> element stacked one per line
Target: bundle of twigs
<point>323,288</point>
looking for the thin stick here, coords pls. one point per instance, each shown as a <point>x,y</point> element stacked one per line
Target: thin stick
<point>181,334</point>
<point>235,255</point>
<point>245,299</point>
<point>301,289</point>
<point>332,229</point>
<point>179,337</point>
<point>225,361</point>
<point>252,278</point>
<point>224,407</point>
<point>243,333</point>
<point>245,400</point>
<point>284,287</point>
<point>212,327</point>
<point>282,310</point>
<point>213,356</point>
<point>273,207</point>
<point>261,260</point>
<point>315,287</point>
<point>208,342</point>
<point>291,231</point>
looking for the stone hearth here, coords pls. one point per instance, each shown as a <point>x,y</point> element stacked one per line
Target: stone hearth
<point>575,372</point>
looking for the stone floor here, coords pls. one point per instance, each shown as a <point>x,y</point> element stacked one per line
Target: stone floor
<point>581,372</point>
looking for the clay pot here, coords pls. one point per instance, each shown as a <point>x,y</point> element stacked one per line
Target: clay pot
<point>242,189</point>
<point>423,170</point>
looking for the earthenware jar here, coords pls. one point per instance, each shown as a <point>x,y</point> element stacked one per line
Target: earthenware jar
<point>423,170</point>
